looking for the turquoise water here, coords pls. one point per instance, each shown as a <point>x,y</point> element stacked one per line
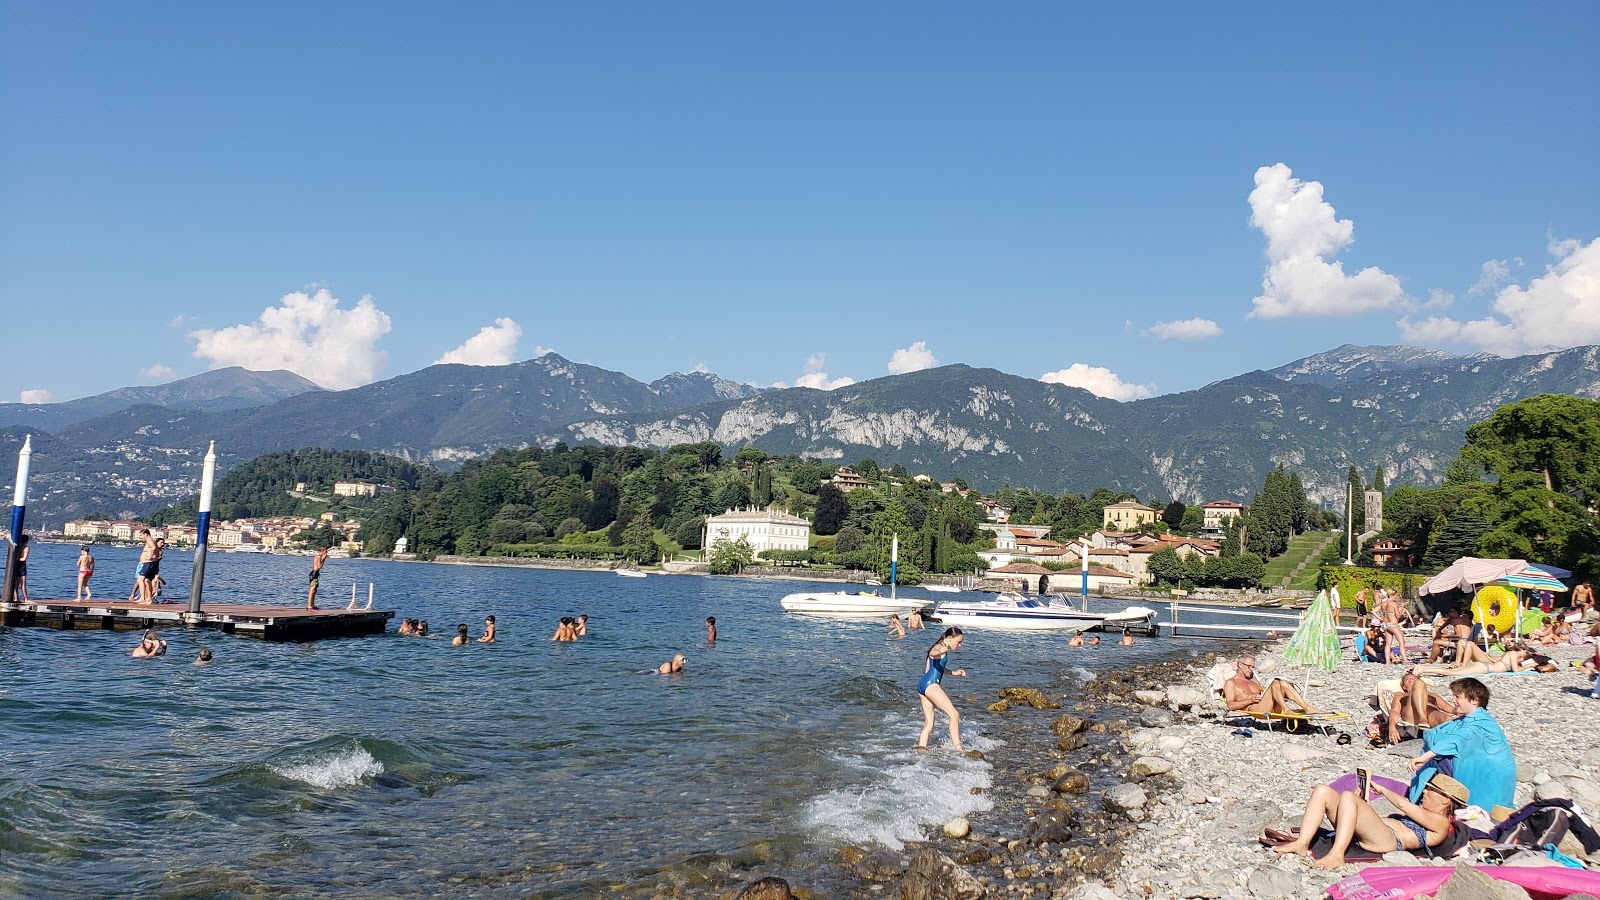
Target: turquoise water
<point>399,766</point>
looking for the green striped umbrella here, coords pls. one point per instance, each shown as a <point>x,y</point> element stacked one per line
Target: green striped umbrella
<point>1316,641</point>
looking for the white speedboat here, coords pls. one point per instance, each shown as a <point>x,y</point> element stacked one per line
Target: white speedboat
<point>852,604</point>
<point>630,573</point>
<point>1014,612</point>
<point>943,588</point>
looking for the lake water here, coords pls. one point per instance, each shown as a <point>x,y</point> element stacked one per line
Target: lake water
<point>397,766</point>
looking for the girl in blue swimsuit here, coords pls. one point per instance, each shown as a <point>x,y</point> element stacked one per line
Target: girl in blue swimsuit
<point>932,695</point>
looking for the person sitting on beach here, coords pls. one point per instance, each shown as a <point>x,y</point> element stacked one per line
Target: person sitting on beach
<point>1415,704</point>
<point>1369,645</point>
<point>1476,662</point>
<point>1472,748</point>
<point>150,646</point>
<point>711,630</point>
<point>895,628</point>
<point>1077,639</point>
<point>488,631</point>
<point>461,636</point>
<point>1127,639</point>
<point>1544,635</point>
<point>914,621</point>
<point>1451,631</point>
<point>580,628</point>
<point>1244,694</point>
<point>1424,825</point>
<point>203,658</point>
<point>672,666</point>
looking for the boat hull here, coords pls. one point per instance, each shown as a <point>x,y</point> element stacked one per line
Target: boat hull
<point>1020,614</point>
<point>842,605</point>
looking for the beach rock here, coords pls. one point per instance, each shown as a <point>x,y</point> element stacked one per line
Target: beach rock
<point>1302,753</point>
<point>768,888</point>
<point>1203,890</point>
<point>1552,790</point>
<point>1031,696</point>
<point>1037,791</point>
<point>1274,883</point>
<point>1243,820</point>
<point>1071,742</point>
<point>934,876</point>
<point>851,855</point>
<point>1266,665</point>
<point>1151,717</point>
<point>1091,892</point>
<point>1057,770</point>
<point>1068,724</point>
<point>1071,781</point>
<point>1170,742</point>
<point>1525,772</point>
<point>1150,698</point>
<point>1146,766</point>
<point>998,706</point>
<point>879,867</point>
<point>1127,798</point>
<point>1180,697</point>
<point>1467,883</point>
<point>1050,827</point>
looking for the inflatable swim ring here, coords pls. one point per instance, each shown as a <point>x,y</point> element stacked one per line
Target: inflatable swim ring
<point>1495,605</point>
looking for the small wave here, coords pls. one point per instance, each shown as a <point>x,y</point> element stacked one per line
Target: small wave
<point>1081,674</point>
<point>908,789</point>
<point>332,769</point>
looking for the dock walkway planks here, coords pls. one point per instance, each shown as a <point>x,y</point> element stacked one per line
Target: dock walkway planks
<point>273,623</point>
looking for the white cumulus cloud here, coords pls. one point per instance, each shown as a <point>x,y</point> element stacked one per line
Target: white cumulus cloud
<point>815,377</point>
<point>1560,308</point>
<point>158,372</point>
<point>37,395</point>
<point>1097,380</point>
<point>493,345</point>
<point>308,334</point>
<point>1303,235</point>
<point>1496,273</point>
<point>1184,330</point>
<point>1438,299</point>
<point>914,358</point>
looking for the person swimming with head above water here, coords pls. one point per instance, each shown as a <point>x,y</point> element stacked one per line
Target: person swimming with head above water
<point>672,666</point>
<point>932,694</point>
<point>151,646</point>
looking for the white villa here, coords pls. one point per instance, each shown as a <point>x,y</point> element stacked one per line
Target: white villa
<point>765,529</point>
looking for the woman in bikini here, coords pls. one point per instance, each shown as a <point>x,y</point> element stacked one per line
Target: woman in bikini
<point>85,571</point>
<point>932,695</point>
<point>1417,826</point>
<point>1476,662</point>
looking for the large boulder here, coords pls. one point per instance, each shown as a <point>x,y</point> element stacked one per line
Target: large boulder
<point>1179,697</point>
<point>934,876</point>
<point>1467,883</point>
<point>1071,781</point>
<point>1146,766</point>
<point>1071,742</point>
<point>1245,819</point>
<point>1052,826</point>
<point>1031,696</point>
<point>879,867</point>
<point>1154,717</point>
<point>1150,698</point>
<point>1128,799</point>
<point>766,889</point>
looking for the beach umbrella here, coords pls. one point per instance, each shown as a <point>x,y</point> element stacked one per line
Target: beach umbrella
<point>1531,579</point>
<point>1470,573</point>
<point>1315,644</point>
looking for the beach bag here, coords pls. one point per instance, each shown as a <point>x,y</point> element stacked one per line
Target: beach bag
<point>1548,825</point>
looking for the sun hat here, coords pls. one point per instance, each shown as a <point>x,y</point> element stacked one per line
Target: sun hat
<point>1450,787</point>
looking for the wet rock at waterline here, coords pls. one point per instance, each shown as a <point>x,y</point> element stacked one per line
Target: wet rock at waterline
<point>934,876</point>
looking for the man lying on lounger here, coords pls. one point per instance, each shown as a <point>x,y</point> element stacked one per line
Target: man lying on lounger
<point>1245,694</point>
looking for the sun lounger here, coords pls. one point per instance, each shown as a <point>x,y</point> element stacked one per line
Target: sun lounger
<point>1293,723</point>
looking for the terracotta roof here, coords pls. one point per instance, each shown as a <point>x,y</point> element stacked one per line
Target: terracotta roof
<point>1023,569</point>
<point>1223,504</point>
<point>1103,572</point>
<point>1129,504</point>
<point>1106,551</point>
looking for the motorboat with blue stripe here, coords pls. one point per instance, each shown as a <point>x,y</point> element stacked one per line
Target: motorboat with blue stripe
<point>1014,612</point>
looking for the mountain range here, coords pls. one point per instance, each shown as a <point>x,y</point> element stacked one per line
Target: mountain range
<point>1403,408</point>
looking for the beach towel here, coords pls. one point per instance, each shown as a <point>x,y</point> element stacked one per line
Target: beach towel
<point>1479,757</point>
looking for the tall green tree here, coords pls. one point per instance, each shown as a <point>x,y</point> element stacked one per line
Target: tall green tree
<point>1356,500</point>
<point>832,510</point>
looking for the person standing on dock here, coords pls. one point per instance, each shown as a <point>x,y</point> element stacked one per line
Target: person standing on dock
<point>149,567</point>
<point>22,568</point>
<point>85,572</point>
<point>316,576</point>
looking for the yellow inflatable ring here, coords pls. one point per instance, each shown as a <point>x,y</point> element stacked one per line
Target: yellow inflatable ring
<point>1495,605</point>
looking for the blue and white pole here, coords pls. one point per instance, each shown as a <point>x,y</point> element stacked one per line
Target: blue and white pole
<point>203,528</point>
<point>19,505</point>
<point>894,561</point>
<point>1085,569</point>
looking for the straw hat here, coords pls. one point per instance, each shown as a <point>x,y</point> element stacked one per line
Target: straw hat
<point>1449,787</point>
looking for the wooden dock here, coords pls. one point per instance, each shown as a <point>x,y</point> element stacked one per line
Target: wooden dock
<point>272,623</point>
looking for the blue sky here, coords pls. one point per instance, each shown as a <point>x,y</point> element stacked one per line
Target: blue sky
<point>1138,199</point>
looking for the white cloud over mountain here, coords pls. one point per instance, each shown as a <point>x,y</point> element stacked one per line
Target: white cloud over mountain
<point>308,334</point>
<point>37,395</point>
<point>1559,309</point>
<point>1097,380</point>
<point>1184,330</point>
<point>914,358</point>
<point>493,345</point>
<point>158,372</point>
<point>815,377</point>
<point>1303,235</point>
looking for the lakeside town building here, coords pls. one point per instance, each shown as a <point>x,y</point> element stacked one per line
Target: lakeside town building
<point>763,529</point>
<point>1128,515</point>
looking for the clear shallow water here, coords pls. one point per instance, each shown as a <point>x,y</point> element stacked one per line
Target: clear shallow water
<point>405,767</point>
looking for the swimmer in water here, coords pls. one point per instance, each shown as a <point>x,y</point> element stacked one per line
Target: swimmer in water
<point>711,629</point>
<point>205,657</point>
<point>581,627</point>
<point>151,646</point>
<point>895,628</point>
<point>673,666</point>
<point>488,631</point>
<point>1127,639</point>
<point>1077,640</point>
<point>932,694</point>
<point>914,621</point>
<point>461,636</point>
<point>1094,640</point>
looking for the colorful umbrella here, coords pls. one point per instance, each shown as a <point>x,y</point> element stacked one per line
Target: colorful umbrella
<point>1531,579</point>
<point>1316,641</point>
